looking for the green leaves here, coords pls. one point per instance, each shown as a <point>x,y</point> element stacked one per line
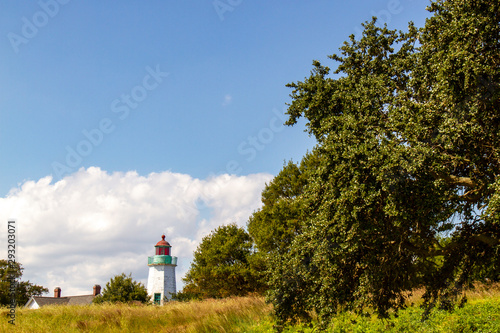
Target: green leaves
<point>275,225</point>
<point>122,288</point>
<point>223,266</point>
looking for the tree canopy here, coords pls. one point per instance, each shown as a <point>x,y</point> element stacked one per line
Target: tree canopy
<point>223,266</point>
<point>24,289</point>
<point>123,289</point>
<point>275,225</point>
<point>408,153</point>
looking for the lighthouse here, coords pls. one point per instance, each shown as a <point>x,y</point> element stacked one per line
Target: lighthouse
<point>161,279</point>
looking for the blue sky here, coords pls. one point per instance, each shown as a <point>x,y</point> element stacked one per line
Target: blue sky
<point>227,71</point>
<point>171,96</point>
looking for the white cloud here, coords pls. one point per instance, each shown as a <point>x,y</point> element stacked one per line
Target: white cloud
<point>93,225</point>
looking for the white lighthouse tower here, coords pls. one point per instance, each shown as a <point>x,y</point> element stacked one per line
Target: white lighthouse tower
<point>161,280</point>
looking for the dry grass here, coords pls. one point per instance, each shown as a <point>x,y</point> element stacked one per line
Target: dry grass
<point>225,315</point>
<point>238,314</point>
<point>480,291</point>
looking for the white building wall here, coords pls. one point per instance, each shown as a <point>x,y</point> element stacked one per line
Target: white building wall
<point>161,280</point>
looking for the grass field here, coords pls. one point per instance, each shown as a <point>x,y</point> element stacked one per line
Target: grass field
<point>202,316</point>
<point>248,314</point>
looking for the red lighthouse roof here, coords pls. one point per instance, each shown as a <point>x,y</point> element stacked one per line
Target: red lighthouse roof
<point>163,242</point>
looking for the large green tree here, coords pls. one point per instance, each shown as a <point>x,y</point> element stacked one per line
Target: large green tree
<point>123,289</point>
<point>408,132</point>
<point>24,289</point>
<point>223,265</point>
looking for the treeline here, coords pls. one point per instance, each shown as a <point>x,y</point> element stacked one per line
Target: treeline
<point>402,190</point>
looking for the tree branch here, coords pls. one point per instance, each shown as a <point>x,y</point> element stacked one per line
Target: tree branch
<point>460,181</point>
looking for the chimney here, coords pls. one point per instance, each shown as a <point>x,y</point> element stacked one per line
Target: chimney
<point>97,290</point>
<point>57,292</point>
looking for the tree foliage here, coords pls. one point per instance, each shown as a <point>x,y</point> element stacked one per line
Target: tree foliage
<point>408,132</point>
<point>24,289</point>
<point>123,289</point>
<point>223,266</point>
<point>275,225</point>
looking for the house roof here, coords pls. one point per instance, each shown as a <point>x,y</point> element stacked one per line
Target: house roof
<point>68,300</point>
<point>80,300</point>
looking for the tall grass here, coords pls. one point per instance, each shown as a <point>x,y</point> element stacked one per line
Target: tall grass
<point>478,316</point>
<point>227,315</point>
<point>481,313</point>
<point>479,292</point>
<point>250,314</point>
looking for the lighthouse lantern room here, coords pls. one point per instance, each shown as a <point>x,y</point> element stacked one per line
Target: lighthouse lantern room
<point>161,279</point>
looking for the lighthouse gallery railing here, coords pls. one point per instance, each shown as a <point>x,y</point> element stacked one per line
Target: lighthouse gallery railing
<point>162,260</point>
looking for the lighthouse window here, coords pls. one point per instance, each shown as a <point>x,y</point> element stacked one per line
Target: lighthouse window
<point>160,251</point>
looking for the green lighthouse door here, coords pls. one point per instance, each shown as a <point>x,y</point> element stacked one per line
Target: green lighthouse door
<point>157,299</point>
